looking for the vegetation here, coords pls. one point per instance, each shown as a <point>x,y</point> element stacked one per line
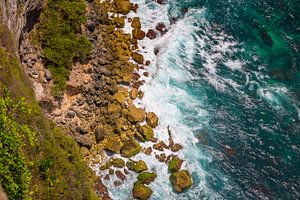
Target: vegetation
<point>37,159</point>
<point>58,34</point>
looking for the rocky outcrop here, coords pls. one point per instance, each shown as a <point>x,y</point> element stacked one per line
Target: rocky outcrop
<point>181,180</point>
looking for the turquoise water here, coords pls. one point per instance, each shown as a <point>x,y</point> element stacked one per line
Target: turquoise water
<point>227,81</point>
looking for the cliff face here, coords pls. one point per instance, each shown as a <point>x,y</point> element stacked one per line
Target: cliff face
<point>20,15</point>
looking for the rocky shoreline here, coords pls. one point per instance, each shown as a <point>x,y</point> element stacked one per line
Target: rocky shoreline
<point>98,107</point>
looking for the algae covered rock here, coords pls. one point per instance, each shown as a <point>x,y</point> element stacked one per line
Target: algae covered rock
<point>139,58</point>
<point>131,148</point>
<point>138,34</point>
<point>136,23</point>
<point>181,180</point>
<point>137,166</point>
<point>136,114</point>
<point>117,162</point>
<point>175,164</point>
<point>146,131</point>
<point>114,144</point>
<point>152,119</point>
<point>176,147</point>
<point>141,191</point>
<point>146,177</point>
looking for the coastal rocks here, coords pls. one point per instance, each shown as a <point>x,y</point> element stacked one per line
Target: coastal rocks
<point>175,164</point>
<point>84,140</point>
<point>136,114</point>
<point>141,191</point>
<point>138,34</point>
<point>118,162</point>
<point>120,175</point>
<point>137,166</point>
<point>114,144</point>
<point>176,147</point>
<point>136,23</point>
<point>137,57</point>
<point>113,108</point>
<point>160,146</point>
<point>130,148</point>
<point>152,119</point>
<point>133,93</point>
<point>123,6</point>
<point>146,177</point>
<point>161,27</point>
<point>151,34</point>
<point>146,132</point>
<point>181,180</point>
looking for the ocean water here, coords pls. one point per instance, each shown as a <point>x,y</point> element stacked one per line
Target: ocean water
<point>227,82</point>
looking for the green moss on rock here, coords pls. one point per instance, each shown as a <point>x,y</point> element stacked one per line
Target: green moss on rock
<point>141,191</point>
<point>131,148</point>
<point>181,180</point>
<point>146,177</point>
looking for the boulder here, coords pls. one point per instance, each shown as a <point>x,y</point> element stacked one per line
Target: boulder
<point>81,130</point>
<point>119,96</point>
<point>141,191</point>
<point>146,131</point>
<point>100,134</point>
<point>114,144</point>
<point>176,147</point>
<point>120,175</point>
<point>160,146</point>
<point>117,183</point>
<point>123,6</point>
<point>152,119</point>
<point>119,22</point>
<point>136,23</point>
<point>138,34</point>
<point>117,162</point>
<point>175,164</point>
<point>181,180</point>
<point>136,114</point>
<point>146,177</point>
<point>161,27</point>
<point>134,93</point>
<point>139,58</point>
<point>137,166</point>
<point>113,108</point>
<point>151,34</point>
<point>130,148</point>
<point>84,140</point>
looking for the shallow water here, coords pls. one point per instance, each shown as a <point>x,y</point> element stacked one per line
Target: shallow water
<point>227,82</point>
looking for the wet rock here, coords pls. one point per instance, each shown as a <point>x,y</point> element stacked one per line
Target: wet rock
<point>141,191</point>
<point>181,180</point>
<point>146,131</point>
<point>161,27</point>
<point>138,34</point>
<point>151,34</point>
<point>117,183</point>
<point>175,164</point>
<point>176,147</point>
<point>146,74</point>
<point>160,146</point>
<point>148,151</point>
<point>130,148</point>
<point>134,7</point>
<point>161,1</point>
<point>137,57</point>
<point>266,38</point>
<point>136,23</point>
<point>161,157</point>
<point>152,119</point>
<point>111,171</point>
<point>118,162</point>
<point>137,166</point>
<point>146,177</point>
<point>136,114</point>
<point>120,175</point>
<point>106,177</point>
<point>114,144</point>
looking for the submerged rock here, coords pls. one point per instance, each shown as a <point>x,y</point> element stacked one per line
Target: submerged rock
<point>131,148</point>
<point>146,177</point>
<point>141,191</point>
<point>181,180</point>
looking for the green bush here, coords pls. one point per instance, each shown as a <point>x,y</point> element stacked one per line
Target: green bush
<point>58,34</point>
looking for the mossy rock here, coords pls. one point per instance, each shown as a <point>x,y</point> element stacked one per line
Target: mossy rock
<point>105,166</point>
<point>141,191</point>
<point>175,164</point>
<point>146,177</point>
<point>152,119</point>
<point>181,180</point>
<point>146,131</point>
<point>131,148</point>
<point>136,114</point>
<point>114,144</point>
<point>137,166</point>
<point>118,162</point>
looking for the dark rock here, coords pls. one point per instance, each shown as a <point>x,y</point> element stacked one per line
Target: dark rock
<point>146,177</point>
<point>175,164</point>
<point>120,175</point>
<point>117,183</point>
<point>161,27</point>
<point>100,134</point>
<point>71,114</point>
<point>151,34</point>
<point>181,180</point>
<point>141,191</point>
<point>84,140</point>
<point>176,147</point>
<point>81,130</point>
<point>91,27</point>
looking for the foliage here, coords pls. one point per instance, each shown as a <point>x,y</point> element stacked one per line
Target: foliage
<point>59,24</point>
<point>14,174</point>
